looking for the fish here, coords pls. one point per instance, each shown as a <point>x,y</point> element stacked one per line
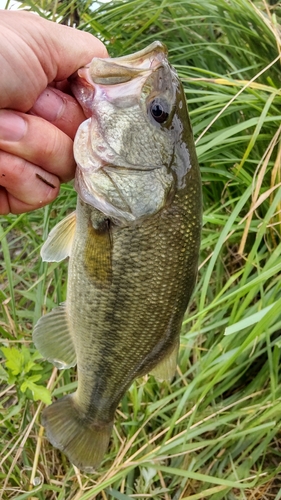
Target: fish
<point>133,245</point>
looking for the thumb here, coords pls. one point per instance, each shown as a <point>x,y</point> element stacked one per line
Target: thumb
<point>72,50</point>
<point>60,49</point>
<point>36,52</point>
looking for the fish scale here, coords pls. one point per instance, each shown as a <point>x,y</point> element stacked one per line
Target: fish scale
<point>133,245</point>
<point>135,294</point>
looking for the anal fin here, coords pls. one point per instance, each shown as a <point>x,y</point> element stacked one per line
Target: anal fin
<point>166,369</point>
<point>52,338</point>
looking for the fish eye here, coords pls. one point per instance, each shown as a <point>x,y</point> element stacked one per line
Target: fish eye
<point>159,110</point>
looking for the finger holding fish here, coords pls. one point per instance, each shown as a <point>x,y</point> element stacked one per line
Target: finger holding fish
<point>24,186</point>
<point>25,135</point>
<point>36,151</point>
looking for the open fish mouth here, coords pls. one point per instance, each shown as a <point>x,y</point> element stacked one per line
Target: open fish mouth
<point>102,75</point>
<point>110,71</point>
<point>115,94</point>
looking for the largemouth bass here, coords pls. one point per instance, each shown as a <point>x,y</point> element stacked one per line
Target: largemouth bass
<point>132,243</point>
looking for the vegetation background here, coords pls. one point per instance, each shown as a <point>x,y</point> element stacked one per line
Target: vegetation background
<point>214,433</point>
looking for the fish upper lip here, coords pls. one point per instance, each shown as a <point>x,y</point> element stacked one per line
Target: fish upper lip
<point>112,71</point>
<point>154,48</point>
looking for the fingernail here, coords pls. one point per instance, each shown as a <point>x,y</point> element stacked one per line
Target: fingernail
<point>49,105</point>
<point>12,126</point>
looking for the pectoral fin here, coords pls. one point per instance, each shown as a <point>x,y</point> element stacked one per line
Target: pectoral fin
<point>166,369</point>
<point>98,254</point>
<point>59,242</point>
<point>52,338</point>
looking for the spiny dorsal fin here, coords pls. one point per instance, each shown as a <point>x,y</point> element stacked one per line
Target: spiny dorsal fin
<point>59,242</point>
<point>52,338</point>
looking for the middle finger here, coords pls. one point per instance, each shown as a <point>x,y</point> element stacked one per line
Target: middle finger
<point>37,141</point>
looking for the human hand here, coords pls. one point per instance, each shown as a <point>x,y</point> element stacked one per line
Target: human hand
<point>38,119</point>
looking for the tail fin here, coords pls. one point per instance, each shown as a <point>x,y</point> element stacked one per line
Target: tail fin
<point>84,441</point>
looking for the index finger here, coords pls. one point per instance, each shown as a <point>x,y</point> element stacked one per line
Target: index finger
<point>60,109</point>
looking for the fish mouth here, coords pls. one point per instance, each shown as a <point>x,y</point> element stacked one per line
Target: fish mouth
<point>121,81</point>
<point>108,71</point>
<point>123,186</point>
<point>106,74</point>
<point>124,69</point>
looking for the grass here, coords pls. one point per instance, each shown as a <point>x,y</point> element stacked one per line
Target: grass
<point>214,433</point>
